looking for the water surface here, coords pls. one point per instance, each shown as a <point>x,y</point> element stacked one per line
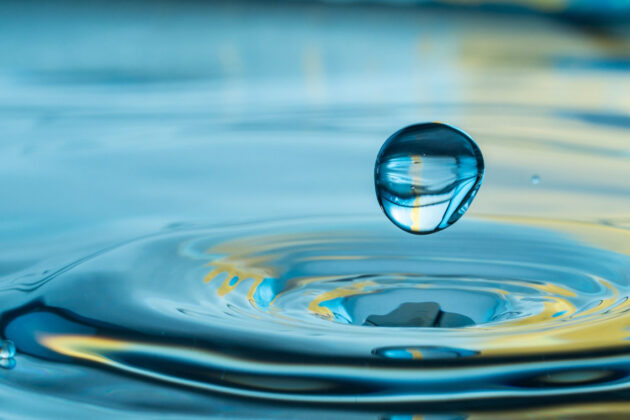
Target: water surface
<point>189,222</point>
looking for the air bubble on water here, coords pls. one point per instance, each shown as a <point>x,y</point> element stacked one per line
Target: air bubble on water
<point>535,179</point>
<point>7,349</point>
<point>426,175</point>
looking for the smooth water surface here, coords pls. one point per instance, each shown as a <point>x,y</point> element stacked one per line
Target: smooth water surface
<point>189,227</point>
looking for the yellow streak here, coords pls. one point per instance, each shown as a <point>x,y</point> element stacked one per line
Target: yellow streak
<point>415,353</point>
<point>606,410</point>
<point>416,180</point>
<point>415,215</point>
<point>82,347</point>
<point>250,258</point>
<point>605,302</point>
<point>314,305</point>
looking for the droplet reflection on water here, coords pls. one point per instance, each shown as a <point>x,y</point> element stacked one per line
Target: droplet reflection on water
<point>426,176</point>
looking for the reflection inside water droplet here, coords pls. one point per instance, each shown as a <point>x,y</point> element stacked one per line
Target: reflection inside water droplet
<point>426,176</point>
<point>535,179</point>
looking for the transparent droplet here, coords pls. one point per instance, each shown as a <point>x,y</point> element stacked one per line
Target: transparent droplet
<point>426,176</point>
<point>7,363</point>
<point>423,352</point>
<point>535,179</point>
<point>7,349</point>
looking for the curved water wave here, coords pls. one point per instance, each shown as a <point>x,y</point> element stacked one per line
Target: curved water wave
<point>344,311</point>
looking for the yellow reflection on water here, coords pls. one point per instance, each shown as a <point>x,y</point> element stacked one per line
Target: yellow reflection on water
<point>559,327</point>
<point>575,410</point>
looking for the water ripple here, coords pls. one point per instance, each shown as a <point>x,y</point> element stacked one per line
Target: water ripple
<point>343,311</point>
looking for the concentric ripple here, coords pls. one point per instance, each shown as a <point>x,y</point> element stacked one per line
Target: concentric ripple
<point>343,311</point>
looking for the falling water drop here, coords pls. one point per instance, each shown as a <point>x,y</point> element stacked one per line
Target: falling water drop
<point>535,179</point>
<point>7,349</point>
<point>426,176</point>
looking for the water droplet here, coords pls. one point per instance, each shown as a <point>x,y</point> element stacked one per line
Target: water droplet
<point>7,363</point>
<point>423,352</point>
<point>7,349</point>
<point>426,176</point>
<point>535,179</point>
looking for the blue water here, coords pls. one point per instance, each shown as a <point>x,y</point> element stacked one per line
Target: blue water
<point>189,226</point>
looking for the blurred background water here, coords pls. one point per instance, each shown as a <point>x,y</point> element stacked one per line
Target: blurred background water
<point>127,120</point>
